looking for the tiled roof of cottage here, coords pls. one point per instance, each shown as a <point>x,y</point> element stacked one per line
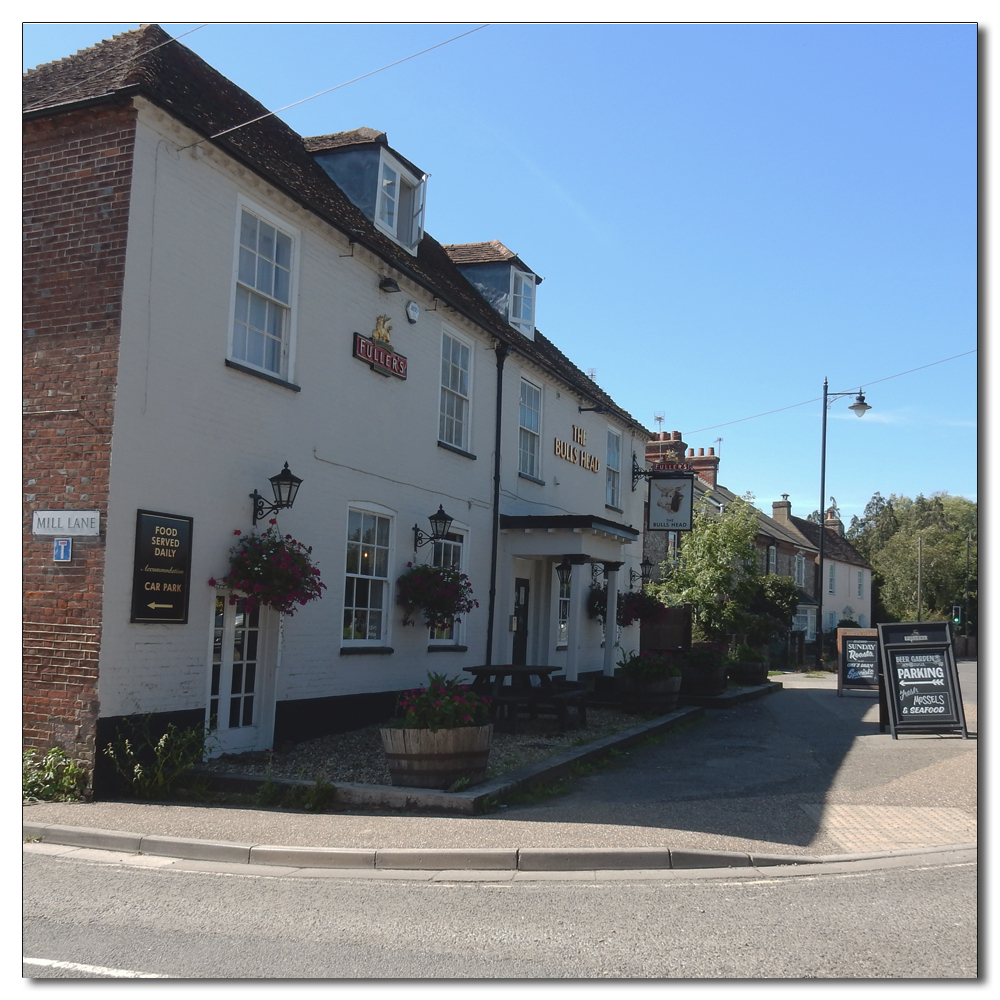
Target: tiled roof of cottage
<point>317,143</point>
<point>489,252</point>
<point>835,546</point>
<point>768,525</point>
<point>147,62</point>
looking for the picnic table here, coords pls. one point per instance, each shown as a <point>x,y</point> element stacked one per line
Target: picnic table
<point>513,687</point>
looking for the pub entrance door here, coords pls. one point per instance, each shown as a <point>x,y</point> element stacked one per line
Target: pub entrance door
<point>519,654</point>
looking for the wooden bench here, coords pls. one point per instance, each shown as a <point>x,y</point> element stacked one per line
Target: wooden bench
<point>536,700</point>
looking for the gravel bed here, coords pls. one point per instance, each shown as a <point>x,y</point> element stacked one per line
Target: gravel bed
<point>357,755</point>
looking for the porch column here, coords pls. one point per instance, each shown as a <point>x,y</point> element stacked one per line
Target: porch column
<point>611,617</point>
<point>576,611</point>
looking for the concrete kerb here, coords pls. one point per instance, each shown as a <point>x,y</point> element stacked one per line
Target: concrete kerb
<point>525,859</point>
<point>476,800</point>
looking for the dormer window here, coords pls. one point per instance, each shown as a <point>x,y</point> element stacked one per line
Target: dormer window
<point>399,212</point>
<point>522,302</point>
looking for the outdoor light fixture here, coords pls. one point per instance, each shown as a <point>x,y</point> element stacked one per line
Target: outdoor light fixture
<point>860,408</point>
<point>646,568</point>
<point>592,409</point>
<point>565,572</point>
<point>388,285</point>
<point>285,486</point>
<point>440,526</point>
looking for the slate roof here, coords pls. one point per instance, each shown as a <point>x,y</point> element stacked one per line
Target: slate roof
<point>489,252</point>
<point>835,546</point>
<point>768,525</point>
<point>363,135</point>
<point>147,62</point>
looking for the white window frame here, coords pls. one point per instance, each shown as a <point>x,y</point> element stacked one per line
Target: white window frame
<point>800,570</point>
<point>861,583</point>
<point>613,472</point>
<point>529,438</point>
<point>447,393</point>
<point>772,558</point>
<point>386,609</point>
<point>456,536</point>
<point>286,364</point>
<point>516,302</point>
<point>387,206</point>
<point>832,579</point>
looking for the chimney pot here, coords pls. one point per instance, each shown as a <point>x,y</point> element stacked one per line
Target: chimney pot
<point>664,435</point>
<point>675,436</point>
<point>690,452</point>
<point>711,451</point>
<point>701,451</point>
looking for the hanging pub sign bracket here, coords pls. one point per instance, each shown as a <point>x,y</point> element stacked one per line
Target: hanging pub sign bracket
<point>638,472</point>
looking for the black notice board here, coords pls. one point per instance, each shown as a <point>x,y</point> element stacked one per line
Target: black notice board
<point>921,679</point>
<point>859,663</point>
<point>161,572</point>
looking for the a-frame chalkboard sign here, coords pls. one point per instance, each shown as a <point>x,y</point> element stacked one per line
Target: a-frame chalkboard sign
<point>921,679</point>
<point>857,663</point>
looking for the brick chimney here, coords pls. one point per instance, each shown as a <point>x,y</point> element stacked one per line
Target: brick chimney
<point>832,522</point>
<point>781,510</point>
<point>666,447</point>
<point>706,466</point>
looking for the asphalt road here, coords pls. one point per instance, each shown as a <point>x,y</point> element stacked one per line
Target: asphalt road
<point>913,920</point>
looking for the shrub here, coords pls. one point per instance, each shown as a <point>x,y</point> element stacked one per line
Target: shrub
<point>746,654</point>
<point>648,666</point>
<point>56,777</point>
<point>152,766</point>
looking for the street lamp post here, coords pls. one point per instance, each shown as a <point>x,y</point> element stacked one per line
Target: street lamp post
<point>860,408</point>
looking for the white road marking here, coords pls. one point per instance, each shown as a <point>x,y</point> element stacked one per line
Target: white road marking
<point>97,970</point>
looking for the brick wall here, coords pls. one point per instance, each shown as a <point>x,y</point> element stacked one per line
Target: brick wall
<point>77,176</point>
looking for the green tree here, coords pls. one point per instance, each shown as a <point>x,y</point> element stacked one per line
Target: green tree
<point>894,534</point>
<point>717,569</point>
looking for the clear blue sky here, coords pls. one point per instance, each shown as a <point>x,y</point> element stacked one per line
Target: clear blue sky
<point>723,213</point>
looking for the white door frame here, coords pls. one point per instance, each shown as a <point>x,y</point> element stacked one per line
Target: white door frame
<point>231,652</point>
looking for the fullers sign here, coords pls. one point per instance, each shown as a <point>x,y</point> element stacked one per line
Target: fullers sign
<point>161,573</point>
<point>377,350</point>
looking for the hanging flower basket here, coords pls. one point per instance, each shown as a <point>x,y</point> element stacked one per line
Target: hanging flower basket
<point>273,570</point>
<point>633,606</point>
<point>441,593</point>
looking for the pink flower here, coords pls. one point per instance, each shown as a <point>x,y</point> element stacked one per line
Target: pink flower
<point>237,532</point>
<point>272,521</point>
<point>211,581</point>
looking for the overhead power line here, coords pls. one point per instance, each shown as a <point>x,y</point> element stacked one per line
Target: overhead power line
<point>816,399</point>
<point>330,90</point>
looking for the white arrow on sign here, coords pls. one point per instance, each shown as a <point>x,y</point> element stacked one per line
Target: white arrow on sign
<point>159,605</point>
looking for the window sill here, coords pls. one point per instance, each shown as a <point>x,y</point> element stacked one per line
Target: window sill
<point>531,479</point>
<point>264,375</point>
<point>457,451</point>
<point>366,650</point>
<point>447,649</point>
<point>617,510</point>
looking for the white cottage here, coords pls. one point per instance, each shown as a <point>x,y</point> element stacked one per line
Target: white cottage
<point>209,300</point>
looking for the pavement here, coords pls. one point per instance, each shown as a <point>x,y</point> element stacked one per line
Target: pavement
<point>800,777</point>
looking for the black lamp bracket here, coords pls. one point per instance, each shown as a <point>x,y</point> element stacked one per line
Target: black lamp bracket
<point>261,508</point>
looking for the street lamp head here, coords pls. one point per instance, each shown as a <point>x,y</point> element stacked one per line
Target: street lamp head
<point>859,406</point>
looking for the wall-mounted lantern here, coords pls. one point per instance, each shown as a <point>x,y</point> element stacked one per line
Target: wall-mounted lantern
<point>440,526</point>
<point>646,571</point>
<point>285,486</point>
<point>565,572</point>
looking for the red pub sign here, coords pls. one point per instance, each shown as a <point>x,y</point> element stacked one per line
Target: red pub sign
<point>379,358</point>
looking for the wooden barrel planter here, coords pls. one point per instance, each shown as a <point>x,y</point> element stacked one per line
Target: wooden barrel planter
<point>648,697</point>
<point>702,680</point>
<point>419,758</point>
<point>747,672</point>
